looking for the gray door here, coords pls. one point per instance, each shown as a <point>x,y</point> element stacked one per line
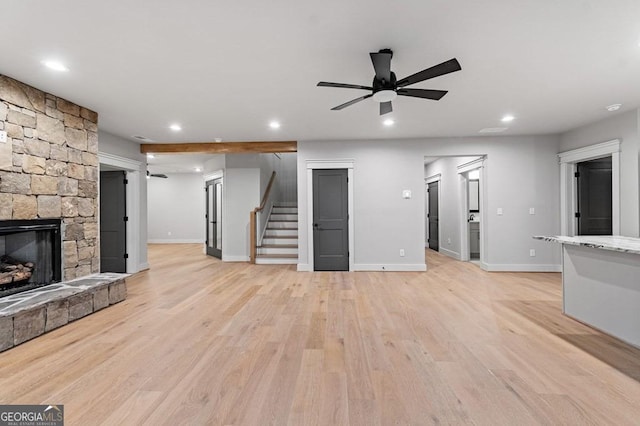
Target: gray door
<point>113,227</point>
<point>330,220</point>
<point>434,243</point>
<point>214,218</point>
<point>594,197</point>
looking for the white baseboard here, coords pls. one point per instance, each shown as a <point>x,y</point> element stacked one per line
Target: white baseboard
<point>449,253</point>
<point>143,266</point>
<point>176,241</point>
<point>521,268</point>
<point>235,258</point>
<point>304,267</point>
<point>418,267</point>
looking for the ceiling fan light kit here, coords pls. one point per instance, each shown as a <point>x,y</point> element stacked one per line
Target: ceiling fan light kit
<point>386,87</point>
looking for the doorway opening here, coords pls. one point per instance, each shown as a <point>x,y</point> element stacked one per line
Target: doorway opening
<point>214,218</point>
<point>433,212</point>
<point>330,220</point>
<point>113,221</point>
<point>473,207</point>
<point>593,189</point>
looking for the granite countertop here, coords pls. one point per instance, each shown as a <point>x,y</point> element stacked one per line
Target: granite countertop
<point>604,242</point>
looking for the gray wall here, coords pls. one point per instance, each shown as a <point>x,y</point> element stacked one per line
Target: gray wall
<point>240,195</point>
<point>176,209</point>
<point>626,128</point>
<point>521,172</point>
<point>112,144</point>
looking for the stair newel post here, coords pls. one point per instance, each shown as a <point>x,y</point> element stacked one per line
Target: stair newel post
<point>252,235</point>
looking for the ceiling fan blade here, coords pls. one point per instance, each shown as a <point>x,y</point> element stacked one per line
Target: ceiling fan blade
<point>346,104</point>
<point>452,65</point>
<point>159,175</point>
<point>436,95</point>
<point>382,65</point>
<point>343,85</point>
<point>385,108</point>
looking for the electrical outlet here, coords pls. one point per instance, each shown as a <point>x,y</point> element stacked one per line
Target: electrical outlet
<point>401,252</point>
<point>448,240</point>
<point>499,211</point>
<point>532,253</point>
<point>3,136</point>
<point>169,233</point>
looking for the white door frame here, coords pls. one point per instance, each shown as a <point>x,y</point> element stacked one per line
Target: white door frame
<point>431,179</point>
<point>463,170</point>
<point>133,170</point>
<point>329,164</point>
<point>568,188</point>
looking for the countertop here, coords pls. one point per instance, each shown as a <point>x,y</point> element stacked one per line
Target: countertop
<point>603,242</point>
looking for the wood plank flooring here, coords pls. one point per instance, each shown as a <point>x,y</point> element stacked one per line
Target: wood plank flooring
<point>203,342</point>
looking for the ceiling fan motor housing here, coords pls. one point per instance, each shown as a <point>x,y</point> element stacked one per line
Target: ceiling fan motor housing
<point>384,85</point>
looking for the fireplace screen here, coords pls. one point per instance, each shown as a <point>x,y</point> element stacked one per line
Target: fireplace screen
<point>30,254</point>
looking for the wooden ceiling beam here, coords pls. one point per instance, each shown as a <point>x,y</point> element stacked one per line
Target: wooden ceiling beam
<point>219,147</point>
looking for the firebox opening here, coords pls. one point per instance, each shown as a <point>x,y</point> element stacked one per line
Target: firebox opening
<point>30,254</point>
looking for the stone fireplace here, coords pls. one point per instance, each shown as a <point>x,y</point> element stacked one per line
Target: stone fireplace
<point>48,215</point>
<point>49,170</point>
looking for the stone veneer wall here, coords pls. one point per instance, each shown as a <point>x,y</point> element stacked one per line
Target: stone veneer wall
<point>49,169</point>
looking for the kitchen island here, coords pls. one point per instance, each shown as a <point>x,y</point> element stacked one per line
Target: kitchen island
<point>601,283</point>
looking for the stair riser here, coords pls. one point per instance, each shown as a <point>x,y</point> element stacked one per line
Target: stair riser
<point>276,217</point>
<point>266,240</point>
<point>284,210</point>
<point>274,250</point>
<point>293,233</point>
<point>283,225</point>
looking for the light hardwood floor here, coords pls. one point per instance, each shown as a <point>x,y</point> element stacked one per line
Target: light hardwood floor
<point>201,342</point>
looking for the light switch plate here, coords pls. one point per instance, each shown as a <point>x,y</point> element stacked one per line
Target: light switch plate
<point>406,194</point>
<point>532,210</point>
<point>499,211</point>
<point>3,136</point>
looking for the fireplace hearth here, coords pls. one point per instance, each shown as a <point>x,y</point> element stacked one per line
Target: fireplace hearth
<point>30,254</point>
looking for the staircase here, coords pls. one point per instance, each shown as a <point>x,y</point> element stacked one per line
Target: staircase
<point>280,240</point>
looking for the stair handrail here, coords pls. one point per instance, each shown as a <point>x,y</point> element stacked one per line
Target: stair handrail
<point>253,237</point>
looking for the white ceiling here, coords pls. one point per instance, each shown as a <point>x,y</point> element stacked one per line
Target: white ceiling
<point>225,69</point>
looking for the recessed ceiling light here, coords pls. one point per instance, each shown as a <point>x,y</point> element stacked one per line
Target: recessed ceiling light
<point>507,118</point>
<point>175,127</point>
<point>613,107</point>
<point>198,169</point>
<point>55,65</point>
<point>274,125</point>
<point>389,122</point>
<point>151,156</point>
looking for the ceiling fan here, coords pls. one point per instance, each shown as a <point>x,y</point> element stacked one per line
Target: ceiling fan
<point>386,87</point>
<point>158,175</point>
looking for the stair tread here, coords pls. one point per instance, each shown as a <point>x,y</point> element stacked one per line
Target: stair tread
<point>279,246</point>
<point>280,236</point>
<point>282,220</point>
